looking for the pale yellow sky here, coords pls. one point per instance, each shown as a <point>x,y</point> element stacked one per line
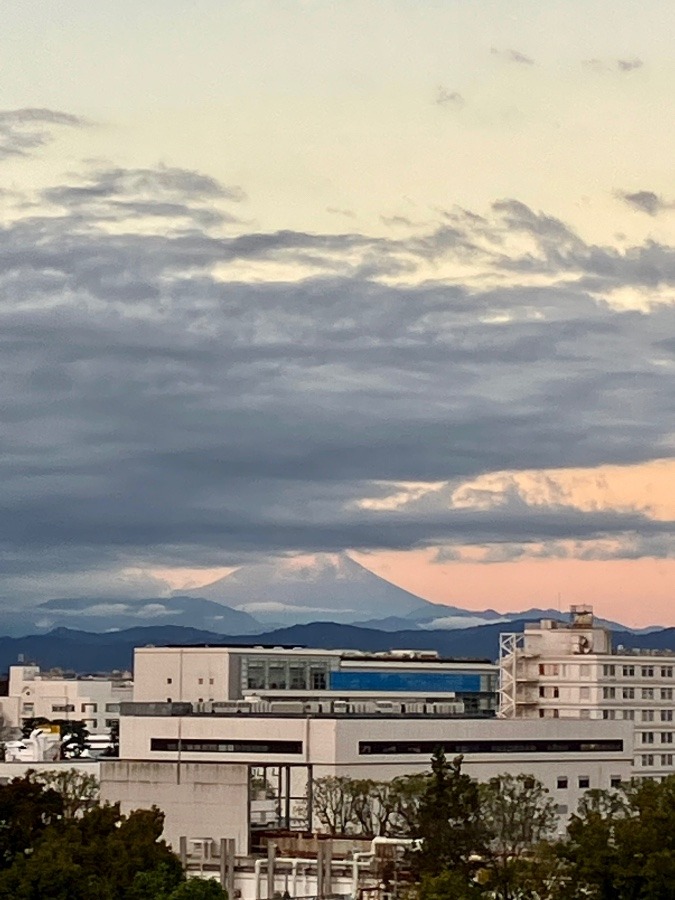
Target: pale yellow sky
<point>380,119</point>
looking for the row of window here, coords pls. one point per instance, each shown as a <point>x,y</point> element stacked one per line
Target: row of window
<point>649,759</point>
<point>630,715</point>
<point>215,746</point>
<point>85,707</point>
<point>648,737</point>
<point>610,671</point>
<point>507,746</point>
<point>584,782</point>
<point>629,693</point>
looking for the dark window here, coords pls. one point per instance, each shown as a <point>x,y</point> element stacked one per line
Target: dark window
<point>190,745</point>
<point>615,781</point>
<point>460,747</point>
<point>562,783</point>
<point>584,782</point>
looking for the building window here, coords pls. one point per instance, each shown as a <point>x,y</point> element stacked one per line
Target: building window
<point>91,723</point>
<point>666,759</point>
<point>562,809</point>
<point>648,759</point>
<point>647,737</point>
<point>200,681</point>
<point>562,782</point>
<point>584,693</point>
<point>666,693</point>
<point>584,713</point>
<point>317,679</point>
<point>666,737</point>
<point>609,671</point>
<point>647,693</point>
<point>168,699</point>
<point>608,714</point>
<point>169,680</point>
<point>297,676</point>
<point>63,707</point>
<point>647,715</point>
<point>666,671</point>
<point>277,676</point>
<point>629,714</point>
<point>111,723</point>
<point>89,707</point>
<point>615,781</point>
<point>584,782</point>
<point>542,691</point>
<point>541,713</point>
<point>256,675</point>
<point>112,707</point>
<point>210,680</point>
<point>666,715</point>
<point>647,671</point>
<point>628,693</point>
<point>628,672</point>
<point>608,693</point>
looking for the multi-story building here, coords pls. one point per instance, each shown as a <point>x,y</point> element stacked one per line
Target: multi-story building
<point>222,676</point>
<point>561,671</point>
<point>92,699</point>
<point>209,723</point>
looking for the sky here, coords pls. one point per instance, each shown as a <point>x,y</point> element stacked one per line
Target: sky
<point>286,277</point>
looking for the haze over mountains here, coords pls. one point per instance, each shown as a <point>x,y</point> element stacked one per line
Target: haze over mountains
<point>255,599</point>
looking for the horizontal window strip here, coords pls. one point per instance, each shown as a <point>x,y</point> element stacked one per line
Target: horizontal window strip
<point>205,745</point>
<point>388,748</point>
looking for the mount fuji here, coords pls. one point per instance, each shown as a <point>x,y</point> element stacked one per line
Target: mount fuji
<point>330,587</point>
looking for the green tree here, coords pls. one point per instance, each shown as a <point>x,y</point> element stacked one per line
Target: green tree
<point>198,889</point>
<point>449,885</point>
<point>621,845</point>
<point>518,815</point>
<point>96,855</point>
<point>450,825</point>
<point>26,810</point>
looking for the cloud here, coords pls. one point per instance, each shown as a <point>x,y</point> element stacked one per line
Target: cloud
<point>646,201</point>
<point>22,131</point>
<point>444,97</point>
<point>514,56</point>
<point>617,65</point>
<point>629,65</point>
<point>160,408</point>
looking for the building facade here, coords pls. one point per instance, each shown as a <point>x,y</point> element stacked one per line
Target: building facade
<point>94,699</point>
<point>555,670</point>
<point>223,676</point>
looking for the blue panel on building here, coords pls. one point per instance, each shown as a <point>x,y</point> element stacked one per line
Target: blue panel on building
<point>423,682</point>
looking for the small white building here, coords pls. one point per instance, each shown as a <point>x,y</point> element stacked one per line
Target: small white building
<point>93,699</point>
<point>555,670</point>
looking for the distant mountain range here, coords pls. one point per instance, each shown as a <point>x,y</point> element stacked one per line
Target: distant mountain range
<point>265,596</point>
<point>88,652</point>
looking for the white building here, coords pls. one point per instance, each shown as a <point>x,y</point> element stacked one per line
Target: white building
<point>208,723</point>
<point>562,671</point>
<point>222,676</point>
<point>93,699</point>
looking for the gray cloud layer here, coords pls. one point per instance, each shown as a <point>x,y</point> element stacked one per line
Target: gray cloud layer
<point>155,412</point>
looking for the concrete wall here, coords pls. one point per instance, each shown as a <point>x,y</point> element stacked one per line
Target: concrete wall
<point>198,799</point>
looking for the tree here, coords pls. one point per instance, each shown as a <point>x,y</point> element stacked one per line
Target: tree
<point>449,823</point>
<point>26,810</point>
<point>518,815</point>
<point>621,845</point>
<point>406,795</point>
<point>198,889</point>
<point>99,854</point>
<point>448,885</point>
<point>332,801</point>
<point>79,790</point>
